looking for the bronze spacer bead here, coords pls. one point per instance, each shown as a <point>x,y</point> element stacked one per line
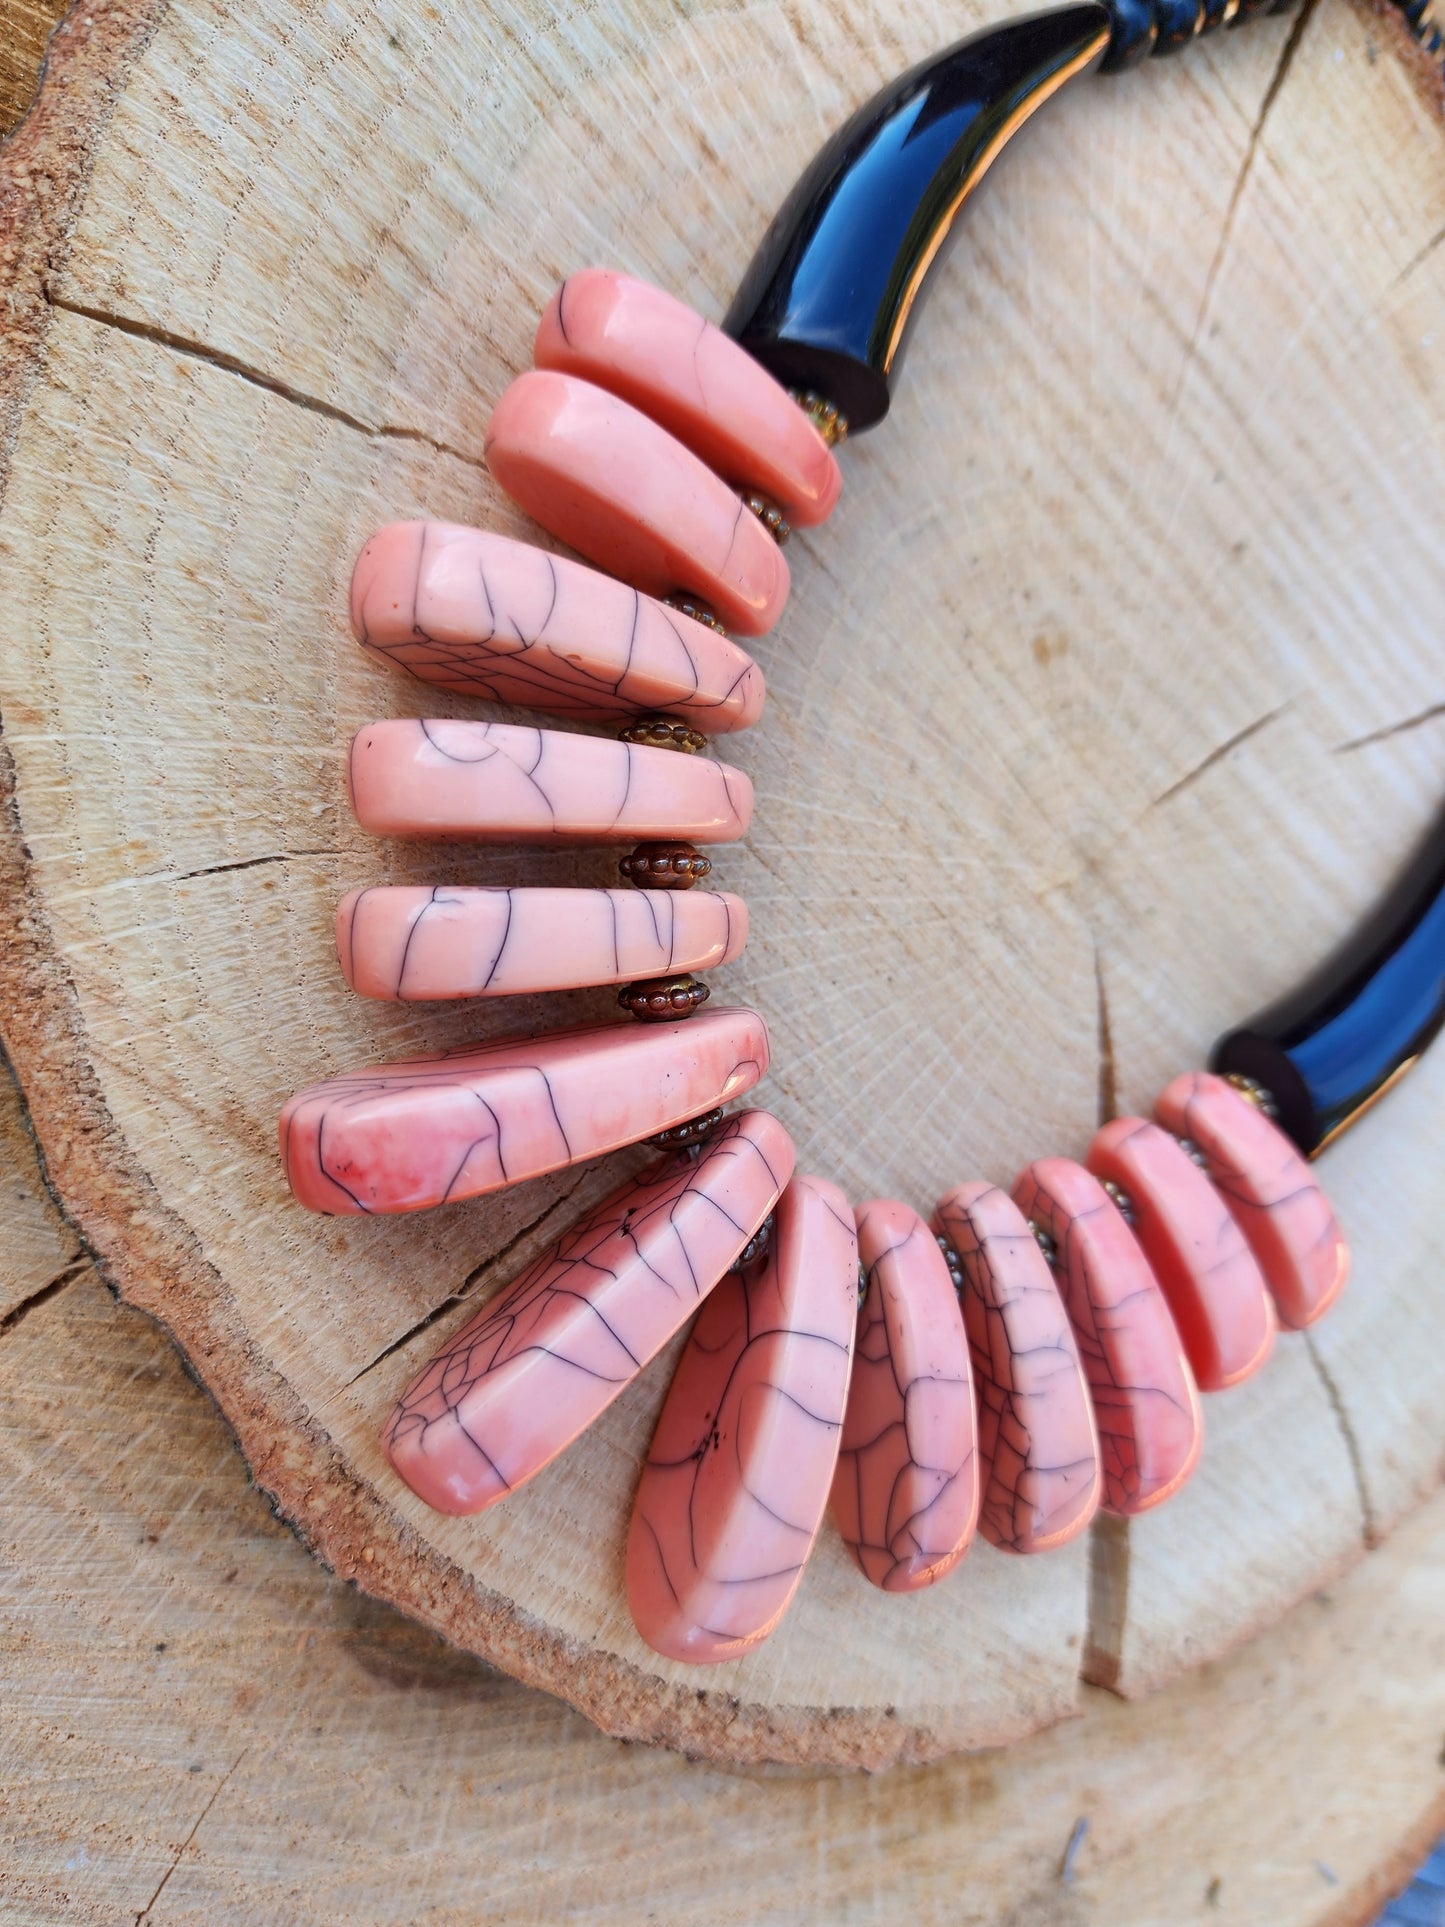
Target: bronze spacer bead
<point>662,732</point>
<point>686,605</point>
<point>832,426</point>
<point>664,866</point>
<point>769,514</point>
<point>683,1137</point>
<point>1121,1201</point>
<point>756,1245</point>
<point>660,1000</point>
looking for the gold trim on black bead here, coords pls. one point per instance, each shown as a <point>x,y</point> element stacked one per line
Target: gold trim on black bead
<point>661,1000</point>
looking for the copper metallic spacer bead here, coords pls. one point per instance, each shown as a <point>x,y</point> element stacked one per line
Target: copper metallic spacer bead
<point>953,1261</point>
<point>664,866</point>
<point>1122,1202</point>
<point>756,1245</point>
<point>661,732</point>
<point>769,514</point>
<point>683,1137</point>
<point>698,611</point>
<point>659,999</point>
<point>1253,1092</point>
<point>832,426</point>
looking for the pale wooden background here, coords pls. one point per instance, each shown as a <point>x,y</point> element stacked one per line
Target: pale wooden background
<point>204,1725</point>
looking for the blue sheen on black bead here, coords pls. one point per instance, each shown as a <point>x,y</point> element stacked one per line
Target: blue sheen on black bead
<point>1330,1048</point>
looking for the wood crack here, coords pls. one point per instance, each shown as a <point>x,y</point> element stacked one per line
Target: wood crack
<point>258,378</point>
<point>144,1913</point>
<point>17,1314</point>
<point>1406,723</point>
<point>1369,1531</point>
<point>1108,1069</point>
<point>1218,755</point>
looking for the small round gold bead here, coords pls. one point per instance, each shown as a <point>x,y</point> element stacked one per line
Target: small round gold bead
<point>1122,1202</point>
<point>1047,1244</point>
<point>756,1246</point>
<point>832,426</point>
<point>769,514</point>
<point>1253,1092</point>
<point>695,611</point>
<point>663,732</point>
<point>661,1000</point>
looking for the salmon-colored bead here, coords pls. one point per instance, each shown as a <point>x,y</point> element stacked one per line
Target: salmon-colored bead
<point>498,783</point>
<point>626,494</point>
<point>408,942</point>
<point>471,611</point>
<point>664,358</point>
<point>1215,1289</point>
<point>1042,1479</point>
<point>738,1473</point>
<point>1284,1215</point>
<point>538,1364</point>
<point>1146,1405</point>
<point>906,1492</point>
<point>406,1136</point>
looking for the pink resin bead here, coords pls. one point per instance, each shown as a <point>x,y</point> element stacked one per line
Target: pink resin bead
<point>414,943</point>
<point>906,1492</point>
<point>1285,1217</point>
<point>538,1364</point>
<point>496,783</point>
<point>1195,1249</point>
<point>470,611</point>
<point>1145,1402</point>
<point>1038,1446</point>
<point>405,1136</point>
<point>661,356</point>
<point>737,1476</point>
<point>624,493</point>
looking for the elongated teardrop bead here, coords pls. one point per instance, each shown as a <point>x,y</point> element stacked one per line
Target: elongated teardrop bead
<point>539,1363</point>
<point>1285,1217</point>
<point>1145,1402</point>
<point>623,492</point>
<point>1214,1288</point>
<point>906,1492</point>
<point>664,358</point>
<point>413,943</point>
<point>1038,1447</point>
<point>467,610</point>
<point>738,1473</point>
<point>405,1136</point>
<point>497,783</point>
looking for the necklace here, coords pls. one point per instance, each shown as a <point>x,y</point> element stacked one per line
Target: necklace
<point>1017,1361</point>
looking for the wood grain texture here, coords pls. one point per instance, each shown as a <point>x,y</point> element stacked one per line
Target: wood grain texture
<point>198,1724</point>
<point>1108,700</point>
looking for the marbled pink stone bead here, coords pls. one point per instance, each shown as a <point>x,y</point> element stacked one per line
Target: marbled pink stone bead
<point>497,783</point>
<point>738,1473</point>
<point>1038,1446</point>
<point>662,357</point>
<point>906,1492</point>
<point>1145,1402</point>
<point>538,1364</point>
<point>1284,1215</point>
<point>412,943</point>
<point>405,1136</point>
<point>620,490</point>
<point>1195,1249</point>
<point>471,611</point>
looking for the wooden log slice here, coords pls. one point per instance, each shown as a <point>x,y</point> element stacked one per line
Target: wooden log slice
<point>1105,704</point>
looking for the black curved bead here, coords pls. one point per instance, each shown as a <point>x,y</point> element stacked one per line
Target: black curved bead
<point>1179,22</point>
<point>830,295</point>
<point>1326,1052</point>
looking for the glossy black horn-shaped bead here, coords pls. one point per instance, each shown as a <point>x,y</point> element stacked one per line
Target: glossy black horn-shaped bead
<point>1327,1051</point>
<point>831,293</point>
